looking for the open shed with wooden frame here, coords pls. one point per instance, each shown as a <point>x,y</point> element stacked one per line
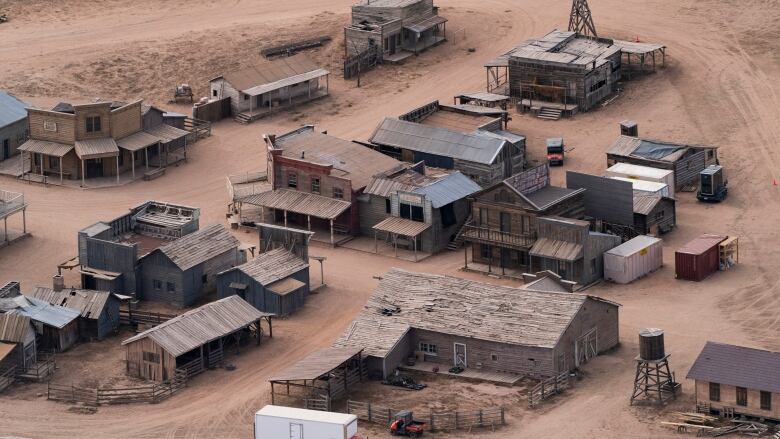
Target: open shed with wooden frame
<point>195,340</point>
<point>324,375</point>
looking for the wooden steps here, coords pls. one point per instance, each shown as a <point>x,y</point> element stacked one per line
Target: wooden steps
<point>548,113</point>
<point>242,118</point>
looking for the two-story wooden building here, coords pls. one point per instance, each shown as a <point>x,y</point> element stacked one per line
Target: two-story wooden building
<point>503,227</point>
<point>102,139</point>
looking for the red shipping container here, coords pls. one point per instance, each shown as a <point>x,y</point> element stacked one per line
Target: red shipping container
<point>699,258</point>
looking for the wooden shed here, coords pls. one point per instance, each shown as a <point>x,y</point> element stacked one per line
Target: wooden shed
<point>276,281</point>
<point>99,309</point>
<point>193,341</point>
<point>56,326</point>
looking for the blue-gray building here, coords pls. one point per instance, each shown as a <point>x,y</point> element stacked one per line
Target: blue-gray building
<point>13,124</point>
<point>99,310</point>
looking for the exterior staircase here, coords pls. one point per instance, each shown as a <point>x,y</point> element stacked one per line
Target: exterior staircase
<point>547,113</point>
<point>242,118</point>
<point>457,243</point>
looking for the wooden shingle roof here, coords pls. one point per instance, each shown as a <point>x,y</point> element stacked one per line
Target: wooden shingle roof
<point>198,247</point>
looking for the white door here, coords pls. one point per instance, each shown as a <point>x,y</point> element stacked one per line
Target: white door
<point>296,431</point>
<point>585,347</point>
<point>460,355</point>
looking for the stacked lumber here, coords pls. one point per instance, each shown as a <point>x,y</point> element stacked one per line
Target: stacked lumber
<point>706,425</point>
<point>747,428</point>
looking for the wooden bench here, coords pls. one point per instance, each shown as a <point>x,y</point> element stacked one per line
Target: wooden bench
<point>154,173</point>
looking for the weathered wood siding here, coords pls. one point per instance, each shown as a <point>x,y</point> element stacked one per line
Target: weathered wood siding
<point>593,314</point>
<point>661,219</point>
<point>262,298</point>
<point>728,398</point>
<point>111,256</point>
<point>14,135</point>
<point>372,212</point>
<point>687,169</point>
<point>126,120</point>
<point>219,89</point>
<point>108,321</point>
<point>374,13</point>
<point>154,371</point>
<point>102,110</point>
<point>593,256</point>
<point>152,118</point>
<point>397,356</point>
<point>65,126</point>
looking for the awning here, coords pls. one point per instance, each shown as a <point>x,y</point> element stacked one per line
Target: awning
<point>237,286</point>
<point>5,350</point>
<point>555,249</point>
<point>285,286</point>
<point>96,148</point>
<point>167,133</point>
<point>299,202</point>
<point>137,141</point>
<point>46,148</point>
<point>99,274</point>
<point>292,80</point>
<point>402,226</point>
<point>317,364</point>
<point>425,23</point>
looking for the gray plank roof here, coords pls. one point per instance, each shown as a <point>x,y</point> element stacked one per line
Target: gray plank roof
<point>13,327</point>
<point>740,366</point>
<point>303,203</point>
<point>317,364</point>
<point>96,148</point>
<point>201,325</point>
<point>197,247</point>
<point>89,303</point>
<point>462,307</point>
<point>46,148</point>
<point>12,109</point>
<point>437,141</point>
<point>272,266</point>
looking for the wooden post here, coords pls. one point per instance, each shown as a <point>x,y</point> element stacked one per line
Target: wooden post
<point>456,420</point>
<point>159,155</point>
<point>415,249</point>
<point>82,173</point>
<point>332,239</point>
<point>285,218</point>
<point>433,426</point>
<point>60,171</point>
<point>465,256</point>
<point>273,395</point>
<point>24,224</point>
<point>117,166</point>
<point>502,416</point>
<point>376,244</point>
<point>308,220</point>
<point>146,158</point>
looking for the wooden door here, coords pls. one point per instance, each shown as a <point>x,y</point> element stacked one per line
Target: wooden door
<point>6,149</point>
<point>460,355</point>
<point>586,347</point>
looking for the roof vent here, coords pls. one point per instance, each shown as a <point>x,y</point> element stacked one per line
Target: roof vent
<point>428,306</point>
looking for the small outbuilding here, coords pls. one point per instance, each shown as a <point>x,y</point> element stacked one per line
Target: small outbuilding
<point>276,281</point>
<point>99,309</point>
<point>56,326</point>
<point>698,259</point>
<point>633,259</point>
<point>17,342</point>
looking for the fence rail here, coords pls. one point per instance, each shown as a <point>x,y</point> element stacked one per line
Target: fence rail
<point>198,128</point>
<point>41,370</point>
<point>7,377</point>
<point>457,420</point>
<point>146,393</point>
<point>362,61</point>
<point>483,234</point>
<point>548,388</point>
<point>128,317</point>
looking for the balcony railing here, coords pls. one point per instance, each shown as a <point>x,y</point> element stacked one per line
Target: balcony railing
<point>497,237</point>
<point>10,202</point>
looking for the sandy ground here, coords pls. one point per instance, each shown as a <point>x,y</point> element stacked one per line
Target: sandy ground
<point>720,87</point>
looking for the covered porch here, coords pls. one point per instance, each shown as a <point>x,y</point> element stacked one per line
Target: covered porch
<point>45,159</point>
<point>424,32</point>
<point>394,227</point>
<point>92,152</point>
<point>560,257</point>
<point>269,98</point>
<point>154,148</point>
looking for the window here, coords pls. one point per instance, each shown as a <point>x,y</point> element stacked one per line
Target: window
<point>598,85</point>
<point>338,193</point>
<point>766,400</point>
<point>448,215</point>
<point>292,180</point>
<point>214,92</point>
<point>387,43</point>
<point>710,154</point>
<point>505,222</point>
<point>714,392</point>
<point>388,206</point>
<point>157,285</point>
<point>660,215</point>
<point>54,163</point>
<point>484,250</point>
<point>493,357</point>
<point>205,278</point>
<point>93,124</point>
<point>483,217</point>
<point>398,39</point>
<point>315,185</point>
<point>120,159</point>
<point>171,287</point>
<point>151,357</point>
<point>742,396</point>
<point>414,213</point>
<point>246,97</point>
<point>429,348</point>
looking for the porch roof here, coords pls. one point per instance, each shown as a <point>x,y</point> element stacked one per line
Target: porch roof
<point>292,80</point>
<point>317,364</point>
<point>167,133</point>
<point>96,148</point>
<point>285,286</point>
<point>299,202</point>
<point>402,226</point>
<point>424,23</point>
<point>137,141</point>
<point>556,249</point>
<point>46,148</point>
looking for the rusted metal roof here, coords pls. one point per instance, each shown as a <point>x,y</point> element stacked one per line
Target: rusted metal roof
<point>46,148</point>
<point>556,249</point>
<point>647,149</point>
<point>755,369</point>
<point>198,247</point>
<point>637,47</point>
<point>201,325</point>
<point>269,71</point>
<point>299,202</point>
<point>317,364</point>
<point>13,327</point>
<point>96,148</point>
<point>137,141</point>
<point>89,303</point>
<point>285,286</point>
<point>402,226</point>
<point>272,266</point>
<point>702,244</point>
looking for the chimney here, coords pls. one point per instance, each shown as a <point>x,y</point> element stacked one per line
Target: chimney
<point>58,282</point>
<point>303,155</point>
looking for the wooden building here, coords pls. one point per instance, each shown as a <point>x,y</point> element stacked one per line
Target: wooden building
<point>485,329</point>
<point>12,203</point>
<point>270,86</point>
<point>18,337</point>
<point>316,180</point>
<point>397,28</point>
<point>276,281</point>
<point>654,215</point>
<point>194,341</point>
<point>102,139</point>
<point>687,161</point>
<point>464,118</point>
<point>568,248</point>
<point>109,252</point>
<point>504,227</point>
<point>13,124</point>
<point>99,310</point>
<point>737,380</point>
<point>56,326</point>
<point>416,207</point>
<point>184,271</point>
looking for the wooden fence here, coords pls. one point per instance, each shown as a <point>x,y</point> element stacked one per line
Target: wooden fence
<point>291,48</point>
<point>148,393</point>
<point>212,111</point>
<point>361,62</point>
<point>198,129</point>
<point>548,388</point>
<point>457,420</point>
<point>7,377</point>
<point>131,317</point>
<point>41,370</point>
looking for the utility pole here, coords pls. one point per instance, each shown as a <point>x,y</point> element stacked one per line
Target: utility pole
<point>581,20</point>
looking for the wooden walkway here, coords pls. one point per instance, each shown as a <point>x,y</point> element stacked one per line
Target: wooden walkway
<point>469,373</point>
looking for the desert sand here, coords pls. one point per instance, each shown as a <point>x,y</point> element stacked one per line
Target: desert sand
<point>720,87</point>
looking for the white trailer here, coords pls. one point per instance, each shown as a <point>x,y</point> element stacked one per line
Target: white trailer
<point>277,422</point>
<point>646,173</point>
<point>650,187</point>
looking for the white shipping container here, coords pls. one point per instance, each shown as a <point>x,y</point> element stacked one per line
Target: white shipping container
<point>277,422</point>
<point>649,187</point>
<point>646,173</point>
<point>633,259</point>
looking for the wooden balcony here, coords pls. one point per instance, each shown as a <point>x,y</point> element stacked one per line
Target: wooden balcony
<point>498,238</point>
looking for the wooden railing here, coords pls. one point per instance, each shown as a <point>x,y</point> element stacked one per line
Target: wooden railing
<point>146,393</point>
<point>7,377</point>
<point>476,233</point>
<point>548,388</point>
<point>10,202</point>
<point>457,420</point>
<point>128,317</point>
<point>199,128</point>
<point>41,370</point>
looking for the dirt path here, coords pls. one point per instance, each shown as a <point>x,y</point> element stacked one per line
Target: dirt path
<point>720,87</point>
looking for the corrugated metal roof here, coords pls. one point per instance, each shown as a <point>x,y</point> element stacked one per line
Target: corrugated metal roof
<point>13,327</point>
<point>555,249</point>
<point>292,80</point>
<point>198,247</point>
<point>402,226</point>
<point>299,202</point>
<point>89,303</point>
<point>167,133</point>
<point>285,286</point>
<point>754,369</point>
<point>96,148</point>
<point>317,364</point>
<point>39,311</point>
<point>437,141</point>
<point>137,141</point>
<point>201,325</point>
<point>639,171</point>
<point>272,266</point>
<point>46,148</point>
<point>633,245</point>
<point>485,96</point>
<point>702,244</point>
<point>448,189</point>
<point>627,146</point>
<point>269,71</point>
<point>12,109</point>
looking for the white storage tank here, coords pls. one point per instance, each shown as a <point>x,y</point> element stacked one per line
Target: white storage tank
<point>646,173</point>
<point>633,259</point>
<point>647,187</point>
<point>275,422</point>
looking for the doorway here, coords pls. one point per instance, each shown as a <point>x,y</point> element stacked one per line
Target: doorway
<point>94,168</point>
<point>586,347</point>
<point>460,355</point>
<point>6,149</point>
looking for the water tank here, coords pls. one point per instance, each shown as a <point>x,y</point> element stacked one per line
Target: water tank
<point>651,344</point>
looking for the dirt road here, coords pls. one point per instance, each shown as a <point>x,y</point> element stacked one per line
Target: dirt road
<point>720,87</point>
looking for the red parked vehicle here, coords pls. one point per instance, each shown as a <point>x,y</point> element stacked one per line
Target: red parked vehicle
<point>405,425</point>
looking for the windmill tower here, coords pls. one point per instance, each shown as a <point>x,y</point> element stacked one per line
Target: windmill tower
<point>580,20</point>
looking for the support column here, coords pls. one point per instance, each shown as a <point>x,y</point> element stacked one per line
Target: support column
<point>60,171</point>
<point>332,239</point>
<point>146,158</point>
<point>117,167</point>
<point>308,221</point>
<point>415,248</point>
<point>5,229</point>
<point>132,163</point>
<point>24,220</point>
<point>465,256</point>
<point>285,218</point>
<point>82,173</point>
<point>395,245</point>
<point>376,244</point>
<point>159,155</point>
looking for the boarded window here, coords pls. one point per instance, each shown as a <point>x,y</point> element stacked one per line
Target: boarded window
<point>93,124</point>
<point>448,215</point>
<point>429,348</point>
<point>483,217</point>
<point>714,392</point>
<point>742,396</point>
<point>152,357</point>
<point>338,193</point>
<point>214,93</point>
<point>171,287</point>
<point>414,213</point>
<point>493,357</point>
<point>766,400</point>
<point>315,185</point>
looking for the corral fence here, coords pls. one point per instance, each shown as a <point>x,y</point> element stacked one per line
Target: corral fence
<point>548,388</point>
<point>212,111</point>
<point>41,370</point>
<point>95,396</point>
<point>7,377</point>
<point>132,317</point>
<point>198,129</point>
<point>362,61</point>
<point>457,420</point>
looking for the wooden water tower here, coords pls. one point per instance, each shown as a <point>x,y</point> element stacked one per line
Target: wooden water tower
<point>654,383</point>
